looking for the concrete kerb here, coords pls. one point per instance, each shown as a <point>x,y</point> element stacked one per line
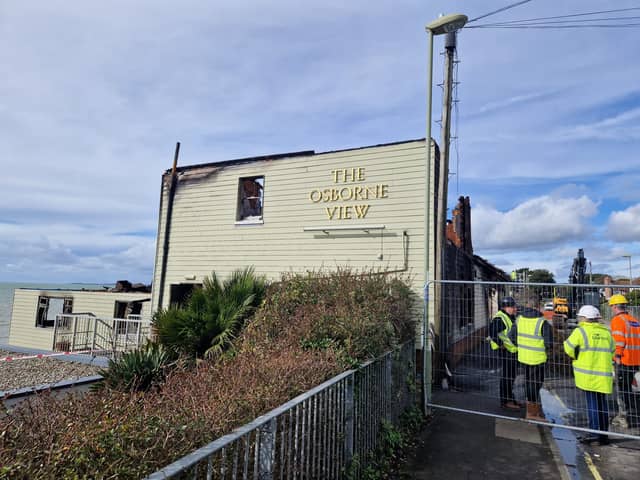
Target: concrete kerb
<point>97,360</point>
<point>22,392</point>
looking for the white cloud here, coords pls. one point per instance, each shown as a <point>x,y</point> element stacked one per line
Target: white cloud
<point>619,127</point>
<point>68,253</point>
<point>623,187</point>
<point>536,222</point>
<point>95,101</point>
<point>519,100</point>
<point>624,226</point>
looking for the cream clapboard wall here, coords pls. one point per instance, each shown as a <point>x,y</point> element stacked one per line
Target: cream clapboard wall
<point>24,333</point>
<point>204,236</point>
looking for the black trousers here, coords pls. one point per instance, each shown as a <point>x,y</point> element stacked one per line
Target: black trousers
<point>533,378</point>
<point>508,370</point>
<point>631,399</point>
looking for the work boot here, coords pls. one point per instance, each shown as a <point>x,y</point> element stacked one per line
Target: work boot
<point>530,412</point>
<point>536,413</point>
<point>511,405</point>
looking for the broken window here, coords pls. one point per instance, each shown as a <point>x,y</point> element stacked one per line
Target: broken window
<point>250,196</point>
<point>124,309</point>
<point>49,307</point>
<point>180,292</point>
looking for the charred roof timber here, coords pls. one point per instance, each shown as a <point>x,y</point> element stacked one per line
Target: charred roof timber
<point>279,156</point>
<point>126,286</point>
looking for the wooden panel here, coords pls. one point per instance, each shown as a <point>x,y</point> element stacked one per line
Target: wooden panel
<point>204,236</point>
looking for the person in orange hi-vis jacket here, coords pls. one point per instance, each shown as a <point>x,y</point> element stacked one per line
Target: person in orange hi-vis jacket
<point>625,330</point>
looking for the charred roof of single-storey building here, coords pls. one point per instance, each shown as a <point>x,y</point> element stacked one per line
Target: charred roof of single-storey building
<point>278,156</point>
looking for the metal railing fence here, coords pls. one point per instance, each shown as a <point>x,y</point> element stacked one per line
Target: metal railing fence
<point>86,332</point>
<point>318,435</point>
<point>468,375</point>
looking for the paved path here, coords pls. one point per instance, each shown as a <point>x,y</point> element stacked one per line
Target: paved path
<point>464,446</point>
<point>456,445</point>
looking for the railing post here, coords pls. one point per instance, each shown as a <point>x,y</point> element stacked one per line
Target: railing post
<point>114,337</point>
<point>388,387</point>
<point>55,333</point>
<point>73,335</point>
<point>267,450</point>
<point>95,333</point>
<point>349,418</point>
<point>138,333</point>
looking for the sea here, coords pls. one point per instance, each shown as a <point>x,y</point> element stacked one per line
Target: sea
<point>6,299</point>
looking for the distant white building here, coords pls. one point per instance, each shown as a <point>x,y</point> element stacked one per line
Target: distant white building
<point>34,311</point>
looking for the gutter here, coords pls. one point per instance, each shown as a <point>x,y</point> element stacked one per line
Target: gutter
<point>167,226</point>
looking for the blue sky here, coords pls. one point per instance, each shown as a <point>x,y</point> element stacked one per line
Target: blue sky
<point>97,93</point>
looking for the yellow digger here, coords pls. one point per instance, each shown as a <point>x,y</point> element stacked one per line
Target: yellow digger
<point>560,306</point>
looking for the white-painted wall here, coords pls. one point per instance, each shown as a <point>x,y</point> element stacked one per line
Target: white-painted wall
<point>23,331</point>
<point>205,237</point>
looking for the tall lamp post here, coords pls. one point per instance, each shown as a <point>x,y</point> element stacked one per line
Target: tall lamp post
<point>628,257</point>
<point>442,25</point>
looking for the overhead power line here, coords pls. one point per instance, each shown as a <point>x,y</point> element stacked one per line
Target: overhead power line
<point>618,10</point>
<point>612,25</point>
<point>571,21</point>
<point>517,23</point>
<point>499,10</point>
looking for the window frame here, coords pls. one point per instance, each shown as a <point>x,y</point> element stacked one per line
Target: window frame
<point>241,218</point>
<point>42,309</point>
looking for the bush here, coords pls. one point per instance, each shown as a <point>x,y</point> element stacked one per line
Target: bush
<point>363,314</point>
<point>213,315</point>
<point>301,336</point>
<point>139,370</point>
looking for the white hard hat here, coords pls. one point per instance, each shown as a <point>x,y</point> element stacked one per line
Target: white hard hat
<point>589,311</point>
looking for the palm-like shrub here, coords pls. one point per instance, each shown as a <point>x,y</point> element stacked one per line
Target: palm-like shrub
<point>212,316</point>
<point>138,370</point>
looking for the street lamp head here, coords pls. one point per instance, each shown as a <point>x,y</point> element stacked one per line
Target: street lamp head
<point>448,23</point>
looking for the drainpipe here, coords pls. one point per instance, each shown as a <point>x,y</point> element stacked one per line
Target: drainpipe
<point>167,225</point>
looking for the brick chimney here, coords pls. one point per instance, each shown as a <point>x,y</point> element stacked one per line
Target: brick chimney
<point>459,227</point>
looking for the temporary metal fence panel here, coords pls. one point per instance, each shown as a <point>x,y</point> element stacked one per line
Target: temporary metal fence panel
<point>87,333</point>
<point>466,371</point>
<point>318,435</point>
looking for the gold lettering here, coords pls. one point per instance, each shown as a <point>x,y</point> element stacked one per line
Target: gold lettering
<point>345,212</point>
<point>371,189</point>
<point>326,195</point>
<point>334,195</point>
<point>330,212</point>
<point>361,174</point>
<point>348,195</point>
<point>335,175</point>
<point>384,191</point>
<point>319,197</point>
<point>350,175</point>
<point>361,210</point>
<point>357,193</point>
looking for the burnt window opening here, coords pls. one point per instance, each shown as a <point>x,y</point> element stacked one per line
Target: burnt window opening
<point>179,293</point>
<point>124,309</point>
<point>250,197</point>
<point>49,307</point>
<point>121,311</point>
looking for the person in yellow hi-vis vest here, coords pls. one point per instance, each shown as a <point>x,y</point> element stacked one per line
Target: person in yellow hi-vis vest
<point>592,348</point>
<point>533,336</point>
<point>499,342</point>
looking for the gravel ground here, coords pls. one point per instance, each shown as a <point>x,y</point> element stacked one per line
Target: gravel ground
<point>37,371</point>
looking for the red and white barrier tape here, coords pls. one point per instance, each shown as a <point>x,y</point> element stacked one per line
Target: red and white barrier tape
<point>43,355</point>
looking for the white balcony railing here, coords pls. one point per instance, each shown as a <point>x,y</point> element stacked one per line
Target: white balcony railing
<point>91,334</point>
